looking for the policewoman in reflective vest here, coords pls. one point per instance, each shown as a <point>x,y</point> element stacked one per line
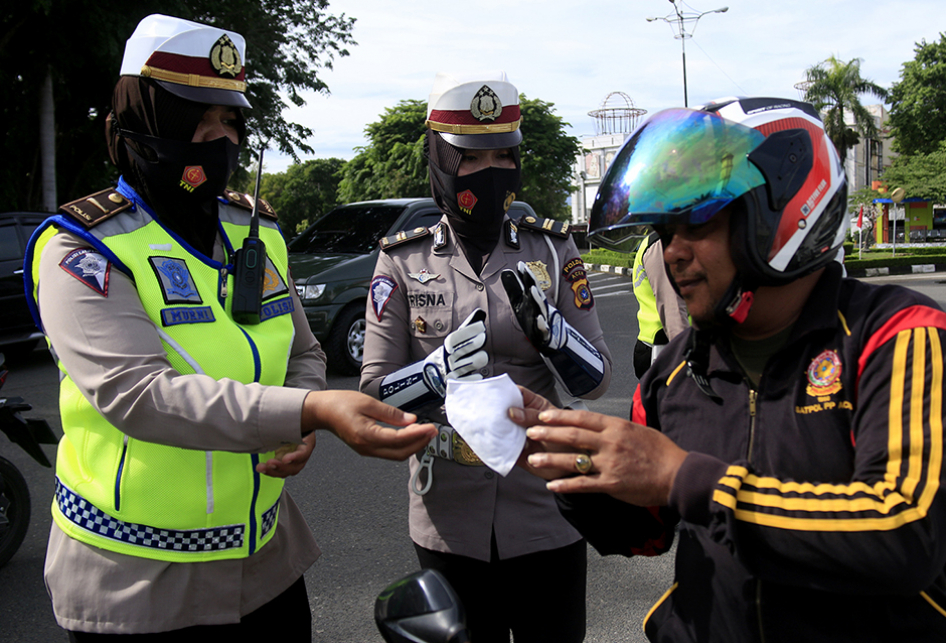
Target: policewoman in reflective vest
<point>661,312</point>
<point>462,300</point>
<point>179,423</point>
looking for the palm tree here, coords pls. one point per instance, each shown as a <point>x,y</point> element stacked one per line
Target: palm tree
<point>834,87</point>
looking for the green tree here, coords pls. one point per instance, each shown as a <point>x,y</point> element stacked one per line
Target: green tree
<point>393,163</point>
<point>289,42</point>
<point>302,193</point>
<point>920,175</point>
<point>834,88</point>
<point>548,155</point>
<point>918,100</point>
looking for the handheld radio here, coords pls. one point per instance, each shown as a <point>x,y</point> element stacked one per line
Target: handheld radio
<point>249,267</point>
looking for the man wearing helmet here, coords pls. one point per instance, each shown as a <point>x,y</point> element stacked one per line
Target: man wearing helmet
<point>796,431</point>
<point>171,521</point>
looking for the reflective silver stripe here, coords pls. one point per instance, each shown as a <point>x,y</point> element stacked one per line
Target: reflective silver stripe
<point>406,388</point>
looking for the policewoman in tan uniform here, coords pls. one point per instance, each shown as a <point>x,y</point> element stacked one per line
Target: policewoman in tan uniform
<point>439,309</point>
<point>170,521</point>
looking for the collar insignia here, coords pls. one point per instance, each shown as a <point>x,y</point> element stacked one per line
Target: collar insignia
<point>486,105</point>
<point>423,276</point>
<point>440,236</point>
<point>512,235</point>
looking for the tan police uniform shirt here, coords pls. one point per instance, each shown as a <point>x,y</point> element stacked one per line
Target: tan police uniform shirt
<point>467,503</point>
<point>113,353</point>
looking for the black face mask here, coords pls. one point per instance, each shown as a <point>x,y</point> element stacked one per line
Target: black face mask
<point>477,202</point>
<point>181,173</point>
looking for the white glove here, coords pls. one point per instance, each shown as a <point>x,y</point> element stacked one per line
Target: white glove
<point>461,357</point>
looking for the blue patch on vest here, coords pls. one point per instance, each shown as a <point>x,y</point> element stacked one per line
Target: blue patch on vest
<point>276,308</point>
<point>187,315</point>
<point>175,280</point>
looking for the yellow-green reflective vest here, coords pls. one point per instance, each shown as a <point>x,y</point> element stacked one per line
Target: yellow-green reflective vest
<point>145,499</point>
<point>648,320</point>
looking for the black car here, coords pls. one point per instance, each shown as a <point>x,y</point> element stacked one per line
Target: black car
<point>333,260</point>
<point>18,333</point>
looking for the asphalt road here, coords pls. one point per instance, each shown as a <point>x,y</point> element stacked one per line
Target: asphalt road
<point>357,509</point>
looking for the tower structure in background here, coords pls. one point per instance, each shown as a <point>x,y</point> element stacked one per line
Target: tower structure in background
<point>614,121</point>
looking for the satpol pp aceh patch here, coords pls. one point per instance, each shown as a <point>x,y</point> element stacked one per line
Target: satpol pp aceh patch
<point>824,374</point>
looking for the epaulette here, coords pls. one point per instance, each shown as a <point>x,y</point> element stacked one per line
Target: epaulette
<point>402,237</point>
<point>95,208</point>
<point>548,226</point>
<point>245,201</point>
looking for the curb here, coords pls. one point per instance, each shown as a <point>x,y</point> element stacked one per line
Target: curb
<point>598,267</point>
<point>917,269</point>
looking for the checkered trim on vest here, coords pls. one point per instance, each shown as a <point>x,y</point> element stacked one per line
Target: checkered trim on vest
<point>89,517</point>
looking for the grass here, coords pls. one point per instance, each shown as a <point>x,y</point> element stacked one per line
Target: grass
<point>905,256</point>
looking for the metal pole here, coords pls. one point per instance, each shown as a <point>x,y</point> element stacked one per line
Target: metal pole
<point>894,230</point>
<point>677,22</point>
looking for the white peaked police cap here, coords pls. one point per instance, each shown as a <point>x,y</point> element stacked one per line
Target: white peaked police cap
<point>197,62</point>
<point>475,110</point>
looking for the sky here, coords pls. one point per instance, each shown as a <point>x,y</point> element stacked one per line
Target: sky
<point>573,54</point>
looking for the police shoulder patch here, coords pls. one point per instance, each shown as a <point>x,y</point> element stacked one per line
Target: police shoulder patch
<point>245,201</point>
<point>548,226</point>
<point>89,267</point>
<point>381,289</point>
<point>404,236</point>
<point>95,208</point>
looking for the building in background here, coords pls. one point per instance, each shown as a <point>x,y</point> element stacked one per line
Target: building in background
<point>867,160</point>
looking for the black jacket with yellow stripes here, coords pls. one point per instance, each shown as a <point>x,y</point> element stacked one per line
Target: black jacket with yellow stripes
<point>810,509</point>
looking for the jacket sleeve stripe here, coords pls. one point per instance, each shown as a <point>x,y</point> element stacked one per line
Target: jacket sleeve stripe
<point>936,607</point>
<point>912,473</point>
<point>638,413</point>
<point>912,317</point>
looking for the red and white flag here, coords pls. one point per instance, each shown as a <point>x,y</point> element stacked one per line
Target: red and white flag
<point>860,218</point>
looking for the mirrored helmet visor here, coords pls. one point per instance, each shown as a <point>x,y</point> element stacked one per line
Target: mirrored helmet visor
<point>681,166</point>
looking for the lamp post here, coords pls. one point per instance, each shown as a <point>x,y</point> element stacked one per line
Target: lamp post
<point>897,196</point>
<point>678,21</point>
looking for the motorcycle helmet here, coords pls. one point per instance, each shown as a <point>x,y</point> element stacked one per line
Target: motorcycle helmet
<point>769,157</point>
